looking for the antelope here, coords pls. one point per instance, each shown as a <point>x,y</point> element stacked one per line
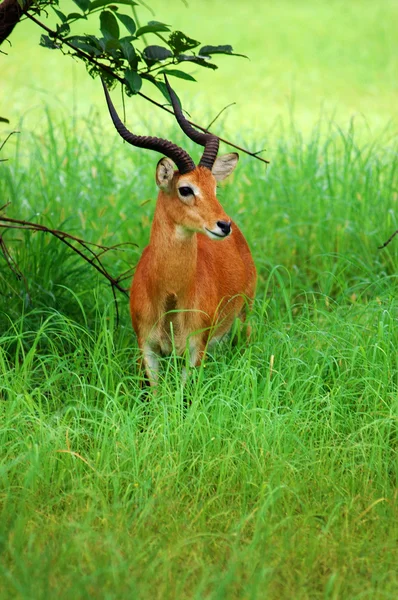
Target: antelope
<point>197,273</point>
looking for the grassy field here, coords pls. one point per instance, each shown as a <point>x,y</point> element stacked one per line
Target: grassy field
<point>280,480</point>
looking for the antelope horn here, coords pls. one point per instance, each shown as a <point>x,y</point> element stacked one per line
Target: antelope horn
<point>181,158</point>
<point>208,140</point>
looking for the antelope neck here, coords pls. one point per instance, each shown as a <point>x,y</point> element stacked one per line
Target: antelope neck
<point>173,255</point>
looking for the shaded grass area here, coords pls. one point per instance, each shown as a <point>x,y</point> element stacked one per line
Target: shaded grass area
<point>280,479</point>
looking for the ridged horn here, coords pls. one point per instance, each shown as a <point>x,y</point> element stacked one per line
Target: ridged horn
<point>208,140</point>
<point>181,158</point>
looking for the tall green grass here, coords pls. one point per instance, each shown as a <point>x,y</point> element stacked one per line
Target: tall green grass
<point>280,479</point>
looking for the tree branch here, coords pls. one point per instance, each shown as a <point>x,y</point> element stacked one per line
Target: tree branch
<point>388,241</point>
<point>53,34</point>
<point>10,14</point>
<point>93,259</point>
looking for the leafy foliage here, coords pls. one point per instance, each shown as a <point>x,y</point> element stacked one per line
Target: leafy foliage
<point>120,45</point>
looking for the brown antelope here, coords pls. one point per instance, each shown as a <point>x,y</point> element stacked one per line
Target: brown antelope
<point>197,273</point>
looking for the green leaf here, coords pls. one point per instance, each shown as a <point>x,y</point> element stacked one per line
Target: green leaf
<point>47,42</point>
<point>178,73</point>
<point>112,44</point>
<point>4,120</point>
<point>99,3</point>
<point>61,15</point>
<point>93,41</point>
<point>128,22</point>
<point>109,26</point>
<point>152,27</point>
<point>133,79</point>
<point>89,49</point>
<point>75,16</point>
<point>155,53</point>
<point>198,60</point>
<point>129,53</point>
<point>181,42</point>
<point>127,38</point>
<point>82,4</point>
<point>98,43</point>
<point>84,43</point>
<point>162,87</point>
<point>63,29</point>
<point>210,50</point>
<point>157,23</point>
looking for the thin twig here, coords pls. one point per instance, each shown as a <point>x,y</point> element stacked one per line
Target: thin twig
<point>67,239</point>
<point>115,247</point>
<point>220,113</point>
<point>127,274</point>
<point>13,265</point>
<point>388,241</point>
<point>7,138</point>
<point>108,70</point>
<point>9,259</point>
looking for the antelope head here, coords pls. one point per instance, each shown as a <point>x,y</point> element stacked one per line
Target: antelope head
<point>189,190</point>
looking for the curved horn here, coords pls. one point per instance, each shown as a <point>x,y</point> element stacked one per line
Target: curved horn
<point>181,158</point>
<point>208,140</point>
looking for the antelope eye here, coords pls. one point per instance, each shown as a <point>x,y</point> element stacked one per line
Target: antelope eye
<point>185,191</point>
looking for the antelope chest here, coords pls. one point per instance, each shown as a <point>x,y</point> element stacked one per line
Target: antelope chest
<point>171,329</point>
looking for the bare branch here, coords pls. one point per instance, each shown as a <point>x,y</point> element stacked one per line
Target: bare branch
<point>220,113</point>
<point>11,12</point>
<point>388,241</point>
<point>10,261</point>
<point>6,140</point>
<point>70,241</point>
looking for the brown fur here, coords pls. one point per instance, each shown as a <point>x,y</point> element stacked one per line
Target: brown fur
<point>187,287</point>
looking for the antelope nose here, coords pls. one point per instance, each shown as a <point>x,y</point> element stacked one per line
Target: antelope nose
<point>225,226</point>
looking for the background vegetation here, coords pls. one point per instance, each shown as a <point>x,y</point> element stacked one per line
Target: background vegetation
<point>336,56</point>
<point>280,480</point>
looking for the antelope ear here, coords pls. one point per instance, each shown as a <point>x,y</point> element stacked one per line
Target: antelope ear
<point>224,165</point>
<point>164,173</point>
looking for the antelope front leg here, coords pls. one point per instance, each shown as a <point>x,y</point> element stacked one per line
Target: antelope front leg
<point>197,353</point>
<point>151,363</point>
